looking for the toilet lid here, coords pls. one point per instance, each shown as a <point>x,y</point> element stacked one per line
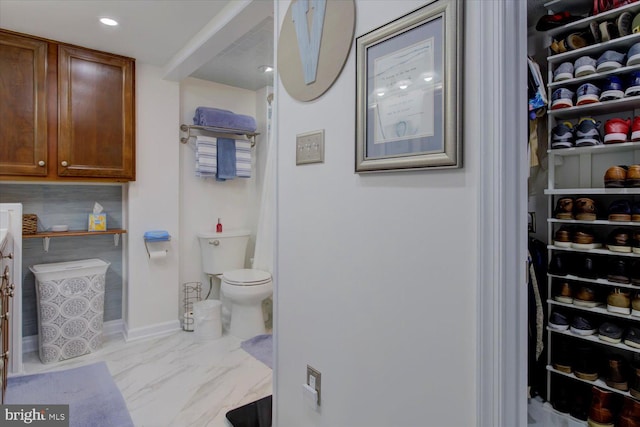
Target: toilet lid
<point>246,277</point>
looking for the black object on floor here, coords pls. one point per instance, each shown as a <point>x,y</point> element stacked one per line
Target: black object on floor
<point>254,414</point>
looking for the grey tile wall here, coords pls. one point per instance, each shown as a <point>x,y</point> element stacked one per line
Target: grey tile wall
<point>70,205</point>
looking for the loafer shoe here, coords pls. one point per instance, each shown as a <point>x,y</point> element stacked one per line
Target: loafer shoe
<point>610,60</point>
<point>561,98</point>
<point>563,72</point>
<point>562,237</point>
<point>635,129</point>
<point>584,238</point>
<point>633,176</point>
<point>612,89</point>
<point>585,209</point>
<point>633,84</point>
<point>585,363</point>
<point>582,326</point>
<point>564,208</point>
<point>633,54</point>
<point>615,177</point>
<point>616,130</point>
<point>632,337</point>
<point>619,302</point>
<point>619,240</point>
<point>562,135</point>
<point>564,293</point>
<point>562,357</point>
<point>587,93</point>
<point>620,210</point>
<point>585,297</point>
<point>558,321</point>
<point>610,332</point>
<point>618,271</point>
<point>588,132</point>
<point>635,242</point>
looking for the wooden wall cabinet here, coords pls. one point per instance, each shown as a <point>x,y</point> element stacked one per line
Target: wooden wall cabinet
<point>75,121</point>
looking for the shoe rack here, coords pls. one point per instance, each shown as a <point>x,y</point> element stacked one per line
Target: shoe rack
<point>579,172</point>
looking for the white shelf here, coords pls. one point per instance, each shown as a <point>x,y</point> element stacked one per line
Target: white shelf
<point>621,43</point>
<point>606,107</point>
<point>594,338</point>
<point>597,149</point>
<point>595,222</point>
<point>594,251</point>
<point>601,309</point>
<point>591,191</point>
<point>596,76</point>
<point>599,382</point>
<point>604,282</point>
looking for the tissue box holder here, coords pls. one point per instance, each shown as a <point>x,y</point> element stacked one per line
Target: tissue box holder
<point>97,222</point>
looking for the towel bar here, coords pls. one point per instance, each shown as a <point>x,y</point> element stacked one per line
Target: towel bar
<point>221,133</point>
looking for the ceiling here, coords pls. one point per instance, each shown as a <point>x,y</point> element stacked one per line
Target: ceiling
<point>216,40</point>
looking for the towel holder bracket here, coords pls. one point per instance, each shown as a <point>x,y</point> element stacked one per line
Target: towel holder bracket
<point>222,132</point>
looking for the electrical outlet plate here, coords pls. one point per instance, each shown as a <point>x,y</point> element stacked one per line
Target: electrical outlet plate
<point>310,147</point>
<point>313,380</point>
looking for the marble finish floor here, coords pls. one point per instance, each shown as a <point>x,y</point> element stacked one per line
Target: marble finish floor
<point>177,380</point>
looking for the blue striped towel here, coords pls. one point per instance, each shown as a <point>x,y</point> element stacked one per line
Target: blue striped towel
<point>226,159</point>
<point>243,158</point>
<point>206,156</point>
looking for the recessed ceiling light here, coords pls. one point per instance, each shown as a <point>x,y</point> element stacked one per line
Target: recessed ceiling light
<point>265,68</point>
<point>108,21</point>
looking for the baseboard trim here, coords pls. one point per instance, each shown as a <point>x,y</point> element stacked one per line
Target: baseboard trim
<point>151,331</point>
<point>110,329</point>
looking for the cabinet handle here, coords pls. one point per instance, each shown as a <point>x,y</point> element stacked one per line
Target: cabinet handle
<point>64,163</point>
<point>41,163</point>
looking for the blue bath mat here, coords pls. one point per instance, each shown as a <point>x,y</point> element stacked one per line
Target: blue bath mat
<point>260,347</point>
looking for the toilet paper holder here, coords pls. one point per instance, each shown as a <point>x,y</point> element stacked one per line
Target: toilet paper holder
<point>155,236</point>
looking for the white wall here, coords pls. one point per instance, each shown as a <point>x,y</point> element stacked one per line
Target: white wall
<point>152,203</point>
<point>376,284</point>
<point>202,200</point>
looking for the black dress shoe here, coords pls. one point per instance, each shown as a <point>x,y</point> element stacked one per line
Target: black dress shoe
<point>618,271</point>
<point>558,265</point>
<point>634,272</point>
<point>587,266</point>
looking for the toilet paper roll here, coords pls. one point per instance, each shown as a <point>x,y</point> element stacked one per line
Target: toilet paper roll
<point>157,254</point>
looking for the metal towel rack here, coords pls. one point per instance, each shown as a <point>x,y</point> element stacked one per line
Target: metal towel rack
<point>217,132</point>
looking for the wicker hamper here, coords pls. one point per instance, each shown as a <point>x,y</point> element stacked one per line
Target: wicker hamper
<point>29,223</point>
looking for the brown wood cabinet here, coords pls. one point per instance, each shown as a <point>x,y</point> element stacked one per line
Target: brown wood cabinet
<point>79,112</point>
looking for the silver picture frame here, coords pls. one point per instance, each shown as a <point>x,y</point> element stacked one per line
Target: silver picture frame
<point>408,83</point>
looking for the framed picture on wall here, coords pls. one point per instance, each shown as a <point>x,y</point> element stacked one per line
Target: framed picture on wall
<point>408,82</point>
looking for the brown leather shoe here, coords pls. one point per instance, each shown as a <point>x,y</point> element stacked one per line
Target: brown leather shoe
<point>565,294</point>
<point>615,177</point>
<point>619,240</point>
<point>633,176</point>
<point>630,414</point>
<point>616,376</point>
<point>562,237</point>
<point>585,209</point>
<point>564,208</point>
<point>634,380</point>
<point>585,297</point>
<point>619,301</point>
<point>600,413</point>
<point>583,238</point>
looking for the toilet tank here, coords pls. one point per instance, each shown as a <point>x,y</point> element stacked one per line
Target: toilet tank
<point>223,251</point>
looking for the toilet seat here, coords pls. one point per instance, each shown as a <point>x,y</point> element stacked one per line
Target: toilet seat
<point>246,277</point>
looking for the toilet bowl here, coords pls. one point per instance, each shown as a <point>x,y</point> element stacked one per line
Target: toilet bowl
<point>223,257</point>
<point>246,289</point>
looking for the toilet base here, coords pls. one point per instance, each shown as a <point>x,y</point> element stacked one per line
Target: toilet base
<point>247,321</point>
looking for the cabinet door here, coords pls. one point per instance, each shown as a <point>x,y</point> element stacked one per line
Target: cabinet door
<point>96,114</point>
<point>23,115</point>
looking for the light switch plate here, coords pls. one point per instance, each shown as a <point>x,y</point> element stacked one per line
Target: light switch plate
<point>310,147</point>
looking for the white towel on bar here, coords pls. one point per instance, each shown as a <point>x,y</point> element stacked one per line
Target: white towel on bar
<point>206,156</point>
<point>243,158</point>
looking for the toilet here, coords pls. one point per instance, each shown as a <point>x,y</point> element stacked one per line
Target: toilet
<point>223,256</point>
